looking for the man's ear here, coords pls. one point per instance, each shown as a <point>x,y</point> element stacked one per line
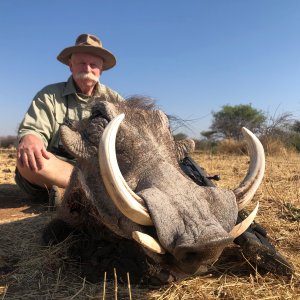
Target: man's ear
<point>70,64</point>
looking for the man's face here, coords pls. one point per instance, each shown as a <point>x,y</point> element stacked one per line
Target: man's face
<point>86,70</point>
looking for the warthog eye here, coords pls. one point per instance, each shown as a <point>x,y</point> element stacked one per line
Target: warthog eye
<point>97,114</point>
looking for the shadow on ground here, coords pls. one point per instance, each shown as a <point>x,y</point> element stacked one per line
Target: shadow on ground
<point>14,204</point>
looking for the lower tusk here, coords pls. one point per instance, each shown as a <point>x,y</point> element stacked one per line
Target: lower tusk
<point>243,226</point>
<point>148,242</point>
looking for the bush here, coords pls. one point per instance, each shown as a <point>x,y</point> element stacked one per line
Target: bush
<point>205,145</point>
<point>280,145</point>
<point>274,146</point>
<point>179,136</point>
<point>231,146</point>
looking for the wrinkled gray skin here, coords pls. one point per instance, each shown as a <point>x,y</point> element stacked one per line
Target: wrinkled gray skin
<point>191,222</point>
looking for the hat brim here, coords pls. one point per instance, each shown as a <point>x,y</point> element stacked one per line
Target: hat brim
<point>109,59</point>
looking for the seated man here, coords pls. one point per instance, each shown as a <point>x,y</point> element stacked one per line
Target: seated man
<point>41,159</point>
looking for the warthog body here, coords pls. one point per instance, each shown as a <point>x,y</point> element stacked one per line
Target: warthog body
<point>191,224</point>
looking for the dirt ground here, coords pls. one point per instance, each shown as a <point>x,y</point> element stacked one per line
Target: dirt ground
<point>28,270</point>
<point>14,205</point>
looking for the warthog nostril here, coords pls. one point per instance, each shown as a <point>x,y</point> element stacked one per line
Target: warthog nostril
<point>190,259</point>
<point>207,256</point>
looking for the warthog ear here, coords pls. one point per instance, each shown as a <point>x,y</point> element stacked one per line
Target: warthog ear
<point>74,143</point>
<point>183,148</point>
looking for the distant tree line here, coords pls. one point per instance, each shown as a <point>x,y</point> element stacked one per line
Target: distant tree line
<point>226,125</point>
<point>8,141</point>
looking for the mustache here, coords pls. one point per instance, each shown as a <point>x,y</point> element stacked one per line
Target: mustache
<point>83,75</point>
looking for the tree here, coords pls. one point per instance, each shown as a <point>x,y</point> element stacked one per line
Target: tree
<point>180,136</point>
<point>230,119</point>
<point>208,134</point>
<point>280,129</point>
<point>278,125</point>
<point>296,126</point>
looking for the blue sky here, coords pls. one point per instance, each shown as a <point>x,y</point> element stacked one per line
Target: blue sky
<point>192,56</point>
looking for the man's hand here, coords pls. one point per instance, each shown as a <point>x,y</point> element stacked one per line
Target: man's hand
<point>31,152</point>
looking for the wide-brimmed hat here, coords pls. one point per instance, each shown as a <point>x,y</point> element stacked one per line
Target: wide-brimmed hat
<point>89,44</point>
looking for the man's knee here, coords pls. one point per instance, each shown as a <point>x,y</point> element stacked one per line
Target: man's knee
<point>28,174</point>
<point>33,191</point>
<point>55,171</point>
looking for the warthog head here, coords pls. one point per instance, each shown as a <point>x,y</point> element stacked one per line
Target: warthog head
<point>128,181</point>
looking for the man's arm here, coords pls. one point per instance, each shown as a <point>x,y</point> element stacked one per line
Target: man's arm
<point>35,131</point>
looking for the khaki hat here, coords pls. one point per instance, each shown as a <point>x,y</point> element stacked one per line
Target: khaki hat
<point>89,44</point>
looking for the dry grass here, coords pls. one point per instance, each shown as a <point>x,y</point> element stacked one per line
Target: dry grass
<point>30,271</point>
<point>7,165</point>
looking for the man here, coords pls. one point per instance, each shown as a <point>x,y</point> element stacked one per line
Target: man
<point>41,159</point>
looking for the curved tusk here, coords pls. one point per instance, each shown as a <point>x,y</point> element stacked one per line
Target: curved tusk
<point>130,204</point>
<point>248,187</point>
<point>148,242</point>
<point>243,226</point>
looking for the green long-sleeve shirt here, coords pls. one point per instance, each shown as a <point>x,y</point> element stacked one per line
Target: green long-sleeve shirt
<point>53,104</point>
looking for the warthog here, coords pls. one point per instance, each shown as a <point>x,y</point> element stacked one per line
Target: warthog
<point>136,208</point>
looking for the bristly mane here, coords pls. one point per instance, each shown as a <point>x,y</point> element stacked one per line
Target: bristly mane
<point>141,102</point>
<point>132,102</point>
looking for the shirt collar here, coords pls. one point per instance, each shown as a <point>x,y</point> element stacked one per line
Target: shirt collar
<point>71,89</point>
